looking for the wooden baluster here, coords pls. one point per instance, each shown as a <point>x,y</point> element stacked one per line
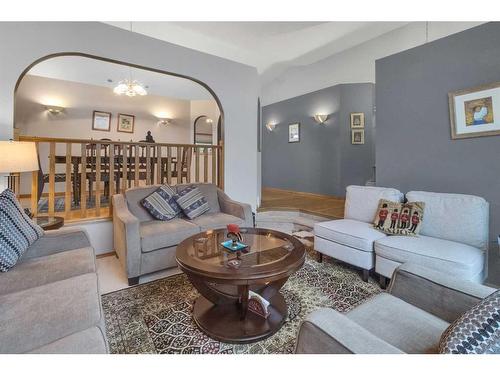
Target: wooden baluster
<point>124,168</point>
<point>52,178</point>
<point>83,181</point>
<point>179,165</point>
<point>111,170</point>
<point>197,164</point>
<point>136,165</point>
<point>214,165</point>
<point>97,194</point>
<point>148,165</point>
<point>220,160</point>
<point>159,170</point>
<point>169,165</point>
<point>68,179</point>
<point>205,165</point>
<point>189,153</point>
<point>34,189</point>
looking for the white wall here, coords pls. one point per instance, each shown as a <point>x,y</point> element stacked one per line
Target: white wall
<point>357,64</point>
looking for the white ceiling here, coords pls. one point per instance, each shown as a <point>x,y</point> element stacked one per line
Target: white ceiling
<point>97,72</point>
<point>268,46</point>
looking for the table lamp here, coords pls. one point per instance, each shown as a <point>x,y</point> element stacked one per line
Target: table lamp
<point>17,157</point>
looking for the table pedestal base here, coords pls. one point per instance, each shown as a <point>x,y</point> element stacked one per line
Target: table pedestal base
<point>224,322</point>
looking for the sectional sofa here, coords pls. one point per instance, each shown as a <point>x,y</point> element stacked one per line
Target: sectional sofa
<point>50,301</point>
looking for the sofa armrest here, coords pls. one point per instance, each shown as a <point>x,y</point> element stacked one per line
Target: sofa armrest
<point>126,237</point>
<point>238,209</point>
<point>435,292</point>
<point>326,331</point>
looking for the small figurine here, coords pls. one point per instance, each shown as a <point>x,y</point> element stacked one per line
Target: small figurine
<point>149,137</point>
<point>233,233</point>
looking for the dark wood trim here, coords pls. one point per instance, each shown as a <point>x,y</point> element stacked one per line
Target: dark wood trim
<point>105,255</point>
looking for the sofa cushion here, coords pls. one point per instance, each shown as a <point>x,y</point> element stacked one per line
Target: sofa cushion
<point>476,331</point>
<point>38,316</point>
<point>134,198</point>
<point>29,273</point>
<point>57,241</point>
<point>161,203</point>
<point>209,192</point>
<point>402,325</point>
<point>217,220</point>
<point>362,201</point>
<point>159,234</point>
<point>455,217</point>
<point>192,201</point>
<point>17,230</point>
<point>404,219</point>
<point>88,341</point>
<point>352,233</point>
<point>455,259</point>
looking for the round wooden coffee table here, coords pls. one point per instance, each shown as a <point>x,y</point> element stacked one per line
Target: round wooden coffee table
<point>222,309</point>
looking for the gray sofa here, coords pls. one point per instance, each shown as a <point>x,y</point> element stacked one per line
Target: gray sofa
<point>409,318</point>
<point>50,301</point>
<point>146,245</point>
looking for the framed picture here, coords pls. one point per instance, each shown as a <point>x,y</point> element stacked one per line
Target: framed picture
<point>126,123</point>
<point>475,112</point>
<point>357,120</point>
<point>358,137</point>
<point>101,121</point>
<point>294,133</point>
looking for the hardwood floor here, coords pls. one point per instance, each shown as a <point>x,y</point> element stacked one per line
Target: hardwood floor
<point>315,204</point>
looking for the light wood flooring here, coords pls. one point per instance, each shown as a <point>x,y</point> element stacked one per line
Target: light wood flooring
<point>322,205</point>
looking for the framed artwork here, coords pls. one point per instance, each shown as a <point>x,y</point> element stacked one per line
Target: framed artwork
<point>101,121</point>
<point>475,112</point>
<point>294,133</point>
<point>126,123</point>
<point>357,120</point>
<point>358,137</point>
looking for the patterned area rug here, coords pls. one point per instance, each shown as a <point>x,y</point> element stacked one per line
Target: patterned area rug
<point>156,317</point>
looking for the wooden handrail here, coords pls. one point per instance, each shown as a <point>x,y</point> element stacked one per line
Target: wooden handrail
<point>95,169</point>
<point>26,138</point>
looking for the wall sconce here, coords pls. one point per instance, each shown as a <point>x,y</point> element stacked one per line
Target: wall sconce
<point>164,121</point>
<point>271,126</point>
<point>320,119</point>
<point>209,121</point>
<point>54,110</point>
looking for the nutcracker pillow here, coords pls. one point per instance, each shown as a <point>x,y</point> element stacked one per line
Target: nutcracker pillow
<point>404,219</point>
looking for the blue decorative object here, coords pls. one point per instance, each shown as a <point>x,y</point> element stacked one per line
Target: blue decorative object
<point>229,245</point>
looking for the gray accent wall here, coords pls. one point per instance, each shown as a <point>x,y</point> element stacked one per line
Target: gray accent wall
<point>414,146</point>
<point>324,161</point>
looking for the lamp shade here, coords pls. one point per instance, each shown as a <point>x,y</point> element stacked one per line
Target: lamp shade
<point>18,157</point>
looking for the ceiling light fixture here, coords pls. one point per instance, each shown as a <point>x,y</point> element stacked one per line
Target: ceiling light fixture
<point>320,119</point>
<point>129,86</point>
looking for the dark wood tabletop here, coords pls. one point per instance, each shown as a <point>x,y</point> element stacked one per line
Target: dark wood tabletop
<point>264,267</point>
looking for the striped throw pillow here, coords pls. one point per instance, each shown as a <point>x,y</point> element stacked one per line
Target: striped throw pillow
<point>17,230</point>
<point>161,203</point>
<point>192,202</point>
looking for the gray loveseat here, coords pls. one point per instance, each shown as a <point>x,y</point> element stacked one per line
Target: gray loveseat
<point>49,301</point>
<point>146,245</point>
<point>410,318</point>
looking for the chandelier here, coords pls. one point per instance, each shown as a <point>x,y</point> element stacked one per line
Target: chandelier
<point>129,87</point>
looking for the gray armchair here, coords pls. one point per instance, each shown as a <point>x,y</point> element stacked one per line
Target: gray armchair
<point>409,318</point>
<point>146,245</point>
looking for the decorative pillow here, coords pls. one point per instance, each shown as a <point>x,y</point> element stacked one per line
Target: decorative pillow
<point>192,202</point>
<point>404,219</point>
<point>161,203</point>
<point>17,230</point>
<point>476,331</point>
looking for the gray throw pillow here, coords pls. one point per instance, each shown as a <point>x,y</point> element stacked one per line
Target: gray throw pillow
<point>477,331</point>
<point>192,202</point>
<point>17,230</point>
<point>161,203</point>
